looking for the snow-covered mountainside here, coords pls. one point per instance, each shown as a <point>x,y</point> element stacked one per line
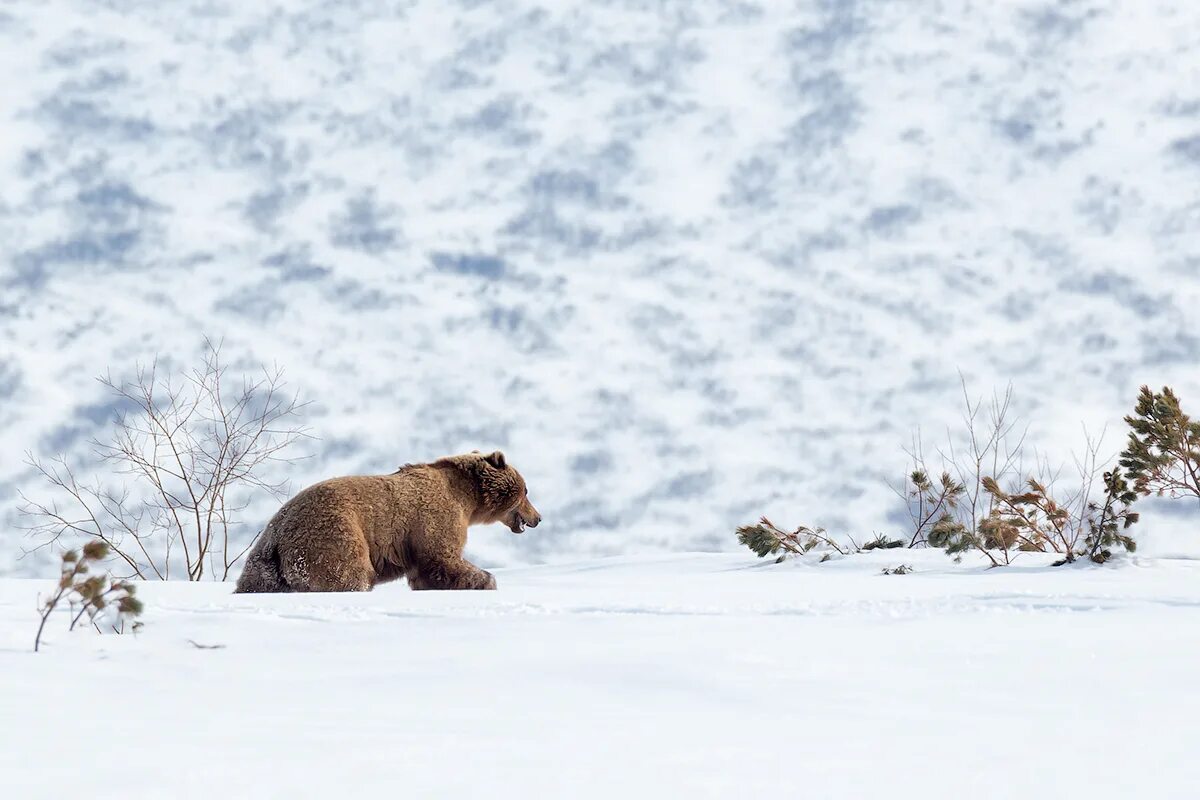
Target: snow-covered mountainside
<point>685,262</point>
<point>707,676</point>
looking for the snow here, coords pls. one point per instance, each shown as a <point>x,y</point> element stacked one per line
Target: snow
<point>702,675</point>
<point>686,262</point>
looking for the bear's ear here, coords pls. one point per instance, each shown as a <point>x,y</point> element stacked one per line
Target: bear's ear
<point>497,460</point>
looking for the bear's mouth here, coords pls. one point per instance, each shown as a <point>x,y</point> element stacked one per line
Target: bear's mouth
<point>517,524</point>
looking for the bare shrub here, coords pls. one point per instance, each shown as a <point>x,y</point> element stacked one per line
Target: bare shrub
<point>948,513</point>
<point>90,595</point>
<point>987,500</point>
<point>191,452</point>
<point>1033,521</point>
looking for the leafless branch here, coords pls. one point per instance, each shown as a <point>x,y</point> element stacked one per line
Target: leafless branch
<point>192,449</point>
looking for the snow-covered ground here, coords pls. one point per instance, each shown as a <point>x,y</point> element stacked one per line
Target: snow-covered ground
<point>687,263</point>
<point>684,260</point>
<point>700,675</point>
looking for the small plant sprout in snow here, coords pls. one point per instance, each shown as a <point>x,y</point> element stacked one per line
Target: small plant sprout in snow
<point>93,596</point>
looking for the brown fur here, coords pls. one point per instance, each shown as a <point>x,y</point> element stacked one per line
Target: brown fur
<point>348,534</point>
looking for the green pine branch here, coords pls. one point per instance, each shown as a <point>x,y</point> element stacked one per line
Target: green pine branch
<point>1162,456</point>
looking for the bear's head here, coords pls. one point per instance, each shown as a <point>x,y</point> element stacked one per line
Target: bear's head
<point>503,496</point>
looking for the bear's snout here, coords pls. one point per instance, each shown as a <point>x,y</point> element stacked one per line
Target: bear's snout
<point>523,516</point>
<point>529,514</point>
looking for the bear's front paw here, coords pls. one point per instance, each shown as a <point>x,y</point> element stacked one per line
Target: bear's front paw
<point>487,581</point>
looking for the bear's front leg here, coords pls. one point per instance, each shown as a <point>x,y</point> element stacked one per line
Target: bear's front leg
<point>458,574</point>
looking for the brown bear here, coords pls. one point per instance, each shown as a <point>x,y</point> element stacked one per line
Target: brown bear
<point>348,534</point>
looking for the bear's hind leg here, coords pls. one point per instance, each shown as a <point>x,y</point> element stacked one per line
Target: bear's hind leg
<point>329,564</point>
<point>261,572</point>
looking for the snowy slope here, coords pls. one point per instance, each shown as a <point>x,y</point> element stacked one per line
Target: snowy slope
<point>693,675</point>
<point>686,262</point>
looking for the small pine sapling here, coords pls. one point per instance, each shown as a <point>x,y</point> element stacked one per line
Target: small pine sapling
<point>90,595</point>
<point>931,507</point>
<point>951,535</point>
<point>1108,523</point>
<point>1163,454</point>
<point>767,539</point>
